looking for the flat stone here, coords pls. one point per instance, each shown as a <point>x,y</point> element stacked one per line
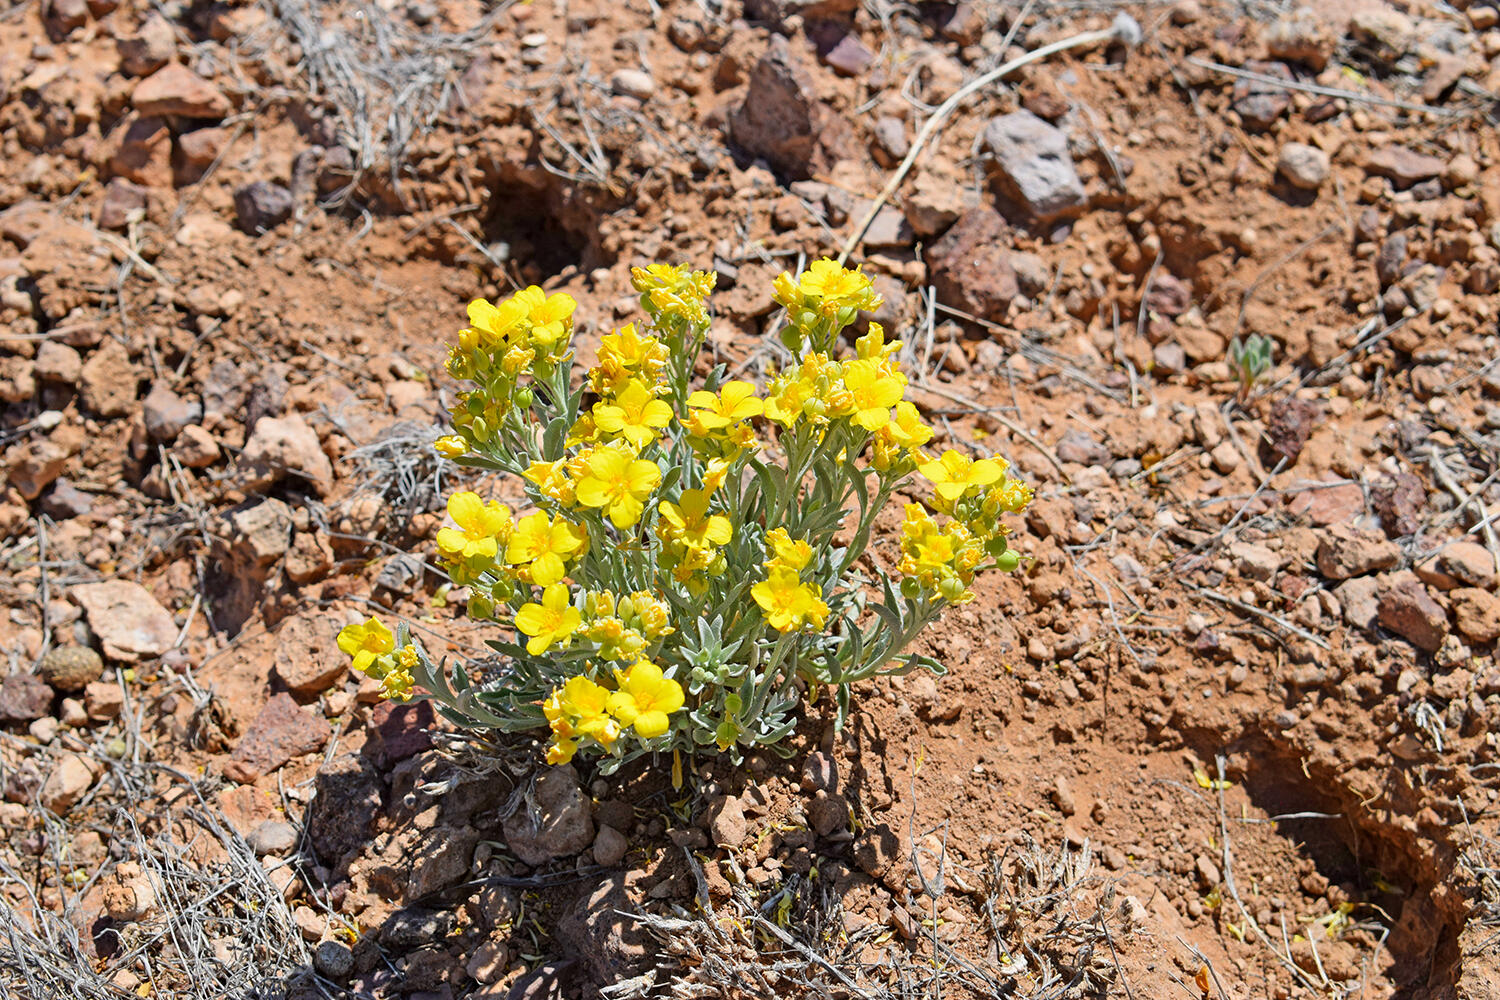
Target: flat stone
<point>1403,166</point>
<point>177,91</point>
<point>1407,610</point>
<point>281,731</point>
<point>130,623</point>
<point>399,731</point>
<point>280,447</point>
<point>1035,165</point>
<point>1344,552</point>
<point>555,824</point>
<point>1476,614</point>
<point>308,659</point>
<point>24,697</point>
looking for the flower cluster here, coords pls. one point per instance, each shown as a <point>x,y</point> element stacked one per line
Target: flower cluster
<point>682,568</point>
<point>377,655</point>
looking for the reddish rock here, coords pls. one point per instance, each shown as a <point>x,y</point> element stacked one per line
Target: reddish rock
<point>178,91</point>
<point>400,730</point>
<point>149,49</point>
<point>281,731</point>
<point>1259,104</point>
<point>1407,609</point>
<point>1327,505</point>
<point>1287,430</point>
<point>970,267</point>
<point>24,697</point>
<point>1345,552</point>
<point>130,623</point>
<point>122,199</point>
<point>1476,613</point>
<point>308,660</point>
<point>142,152</point>
<point>1399,501</point>
<point>281,447</point>
<point>1403,166</point>
<point>782,120</point>
<point>107,384</point>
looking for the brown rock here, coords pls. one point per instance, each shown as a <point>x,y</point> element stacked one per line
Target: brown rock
<point>197,449</point>
<point>828,814</point>
<point>285,446</point>
<point>346,801</point>
<point>1469,563</point>
<point>556,822</point>
<point>1344,552</point>
<point>62,17</point>
<point>1288,428</point>
<point>178,91</point>
<point>969,268</point>
<point>130,623</point>
<point>783,122</point>
<point>1399,501</point>
<point>24,697</point>
<point>610,945</point>
<point>399,731</point>
<point>67,783</point>
<point>70,668</point>
<point>103,700</point>
<point>610,847</point>
<point>281,731</point>
<point>1476,613</point>
<point>1327,505</point>
<point>1403,166</point>
<point>726,822</point>
<point>1260,104</point>
<point>108,380</point>
<point>141,151</point>
<point>310,558</point>
<point>307,658</point>
<point>123,200</point>
<point>1407,609</point>
<point>33,466</point>
<point>147,50</point>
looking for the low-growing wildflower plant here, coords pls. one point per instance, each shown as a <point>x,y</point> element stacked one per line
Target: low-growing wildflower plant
<point>687,565</point>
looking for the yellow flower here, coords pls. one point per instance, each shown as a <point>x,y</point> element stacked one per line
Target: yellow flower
<point>828,288</point>
<point>953,474</point>
<point>587,705</point>
<point>552,621</point>
<point>907,429</point>
<point>451,446</point>
<point>550,315</point>
<point>397,683</point>
<point>715,474</point>
<point>789,553</point>
<point>735,401</point>
<point>645,699</point>
<point>872,345</point>
<point>494,324</point>
<point>481,527</point>
<point>874,391</point>
<point>544,544</point>
<point>551,479</point>
<point>561,750</point>
<point>619,484</point>
<point>366,642</point>
<point>689,522</point>
<point>624,353</point>
<point>635,415</point>
<point>789,603</point>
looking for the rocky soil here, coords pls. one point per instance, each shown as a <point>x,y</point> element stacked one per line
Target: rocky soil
<point>1231,732</point>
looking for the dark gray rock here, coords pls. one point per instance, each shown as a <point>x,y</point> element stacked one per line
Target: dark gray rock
<point>262,206</point>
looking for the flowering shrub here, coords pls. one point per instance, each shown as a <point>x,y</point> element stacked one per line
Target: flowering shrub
<point>693,560</point>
